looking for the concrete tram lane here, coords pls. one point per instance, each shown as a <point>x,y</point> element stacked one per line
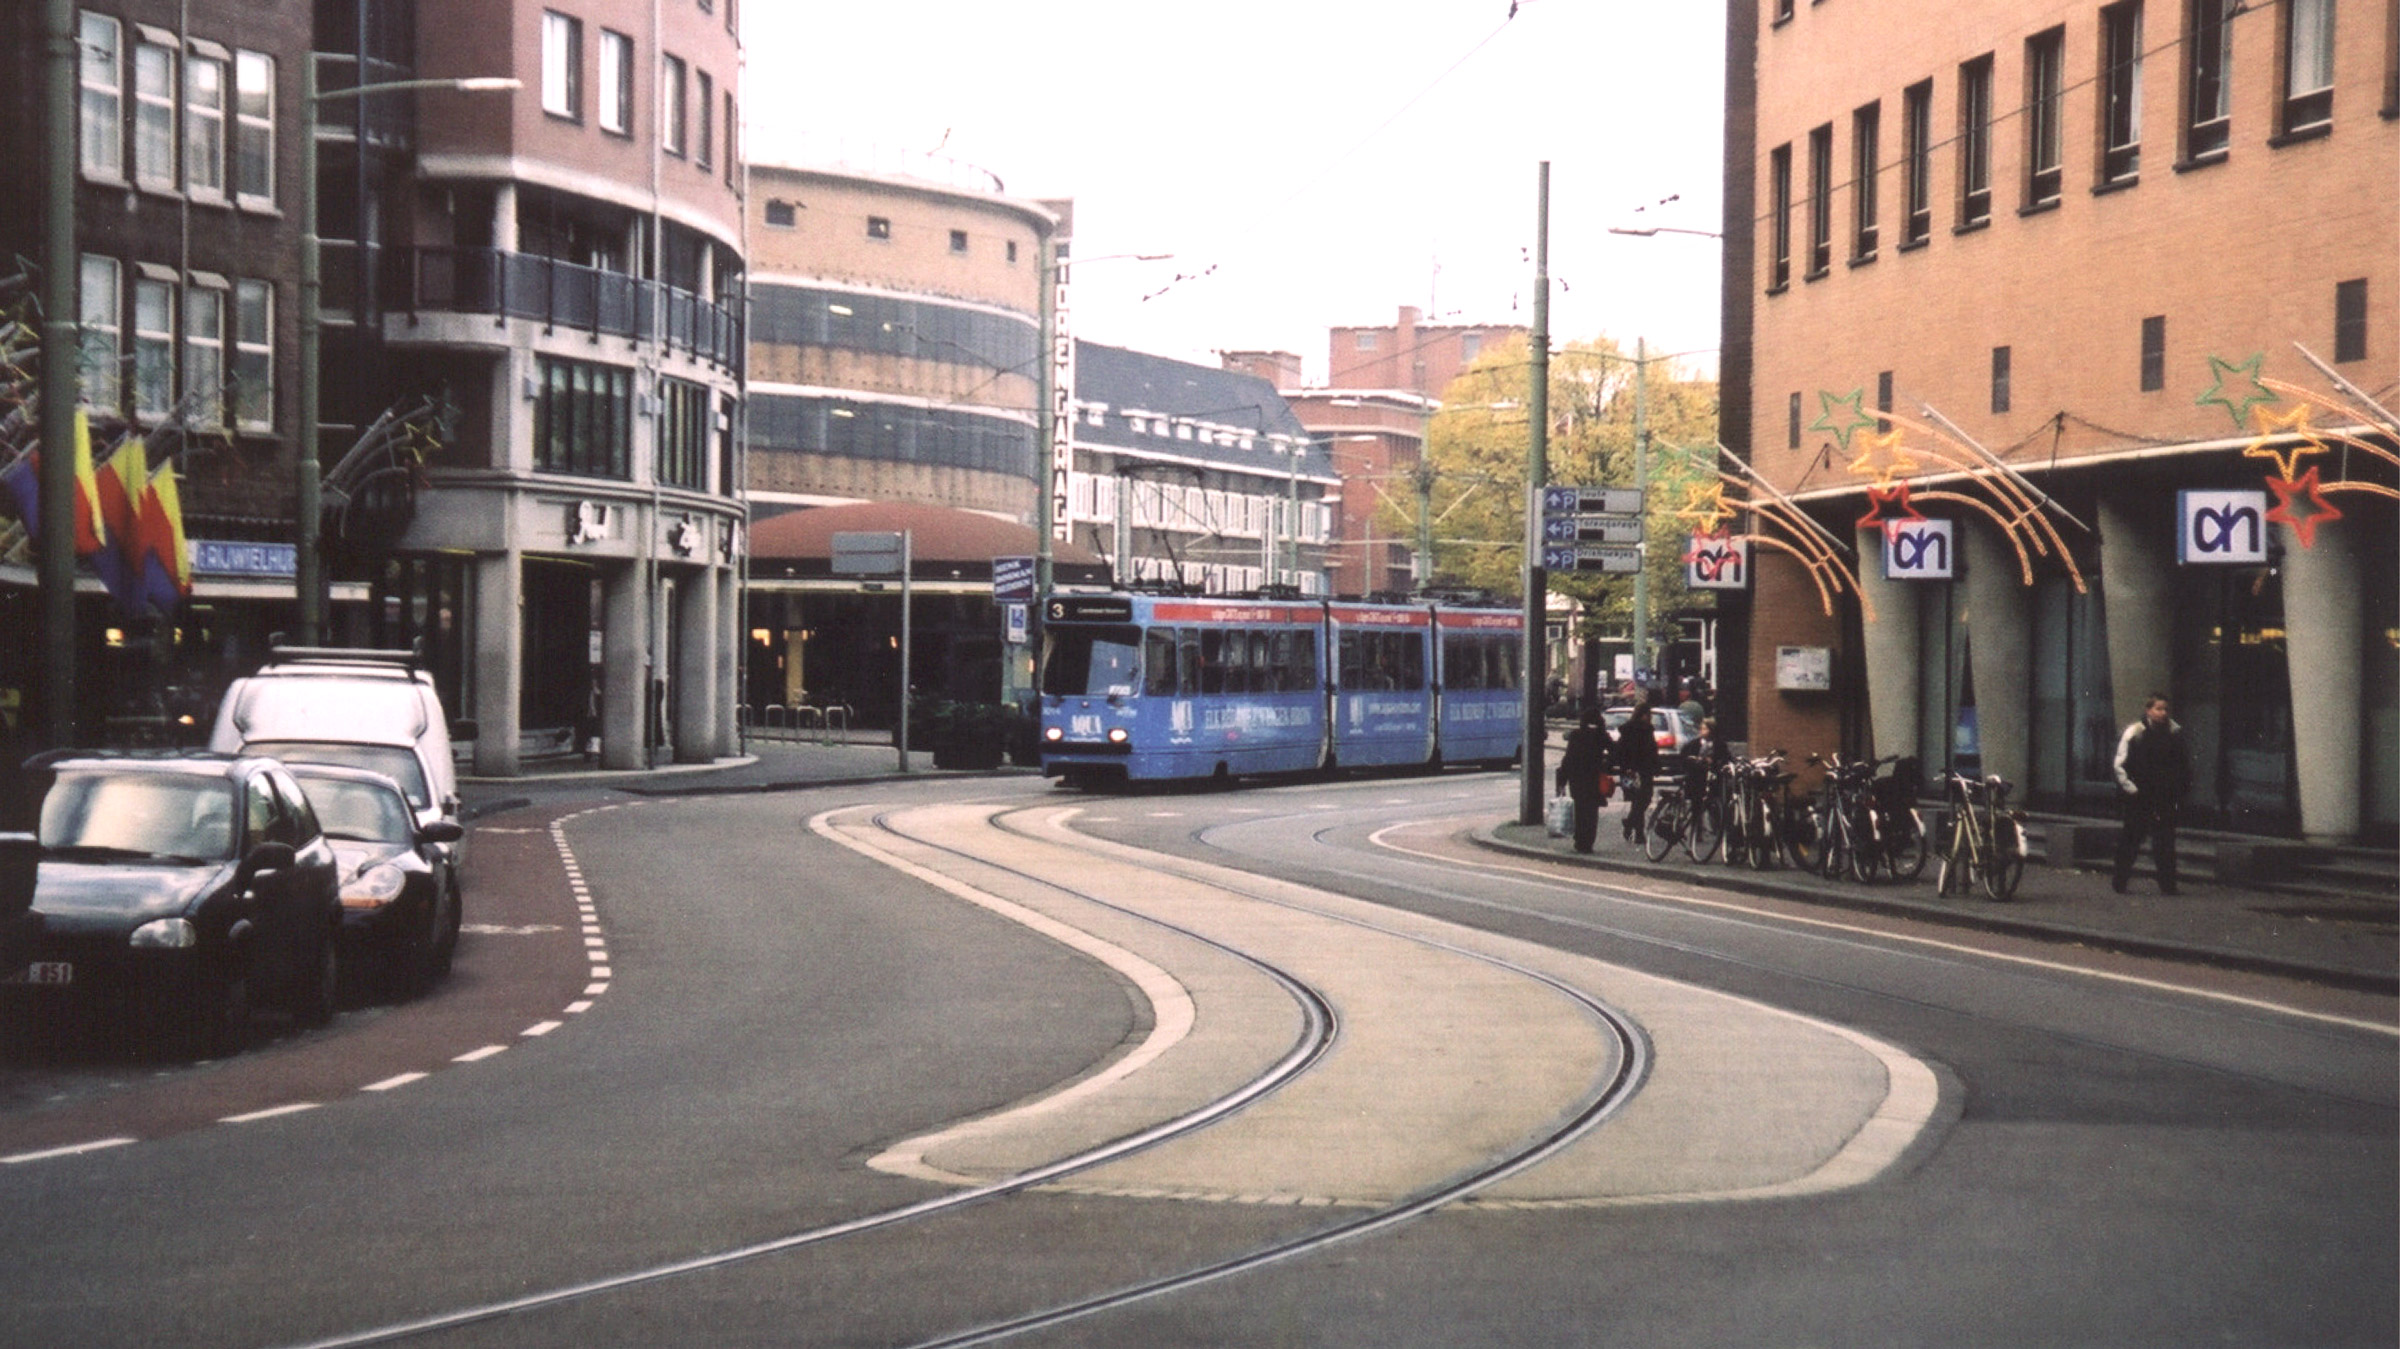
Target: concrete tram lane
<point>526,963</point>
<point>1444,1059</point>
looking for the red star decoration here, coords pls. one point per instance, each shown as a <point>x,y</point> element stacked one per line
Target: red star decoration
<point>2290,492</point>
<point>1897,499</point>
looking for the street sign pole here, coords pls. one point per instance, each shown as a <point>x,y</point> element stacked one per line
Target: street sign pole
<point>1535,663</point>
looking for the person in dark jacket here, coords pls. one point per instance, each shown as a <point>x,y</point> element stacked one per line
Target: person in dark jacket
<point>1579,770</point>
<point>1637,762</point>
<point>2153,773</point>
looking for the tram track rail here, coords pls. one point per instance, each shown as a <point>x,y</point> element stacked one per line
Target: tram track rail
<point>1320,1030</point>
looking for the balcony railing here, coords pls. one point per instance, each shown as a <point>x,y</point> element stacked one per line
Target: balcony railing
<point>559,295</point>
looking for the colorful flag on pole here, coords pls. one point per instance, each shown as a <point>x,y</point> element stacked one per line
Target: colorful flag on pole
<point>122,481</point>
<point>23,482</point>
<point>163,561</point>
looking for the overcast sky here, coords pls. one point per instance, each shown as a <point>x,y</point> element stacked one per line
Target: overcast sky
<point>1330,160</point>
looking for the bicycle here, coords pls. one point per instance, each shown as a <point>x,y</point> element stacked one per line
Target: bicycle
<point>1670,816</point>
<point>1708,787</point>
<point>1987,839</point>
<point>1847,829</point>
<point>1902,829</point>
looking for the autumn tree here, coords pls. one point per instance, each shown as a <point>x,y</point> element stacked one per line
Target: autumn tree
<point>1471,485</point>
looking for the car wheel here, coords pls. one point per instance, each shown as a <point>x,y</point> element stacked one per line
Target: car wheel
<point>316,981</point>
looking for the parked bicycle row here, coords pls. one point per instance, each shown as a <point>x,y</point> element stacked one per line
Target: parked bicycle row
<point>1862,823</point>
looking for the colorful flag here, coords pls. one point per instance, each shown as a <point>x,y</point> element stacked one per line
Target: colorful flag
<point>121,483</point>
<point>164,561</point>
<point>23,482</point>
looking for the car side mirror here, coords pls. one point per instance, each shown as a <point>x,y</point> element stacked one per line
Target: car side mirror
<point>271,857</point>
<point>441,831</point>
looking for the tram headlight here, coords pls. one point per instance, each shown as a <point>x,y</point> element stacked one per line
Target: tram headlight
<point>1117,735</point>
<point>1053,734</point>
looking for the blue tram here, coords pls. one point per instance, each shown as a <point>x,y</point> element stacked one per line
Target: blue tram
<point>1140,688</point>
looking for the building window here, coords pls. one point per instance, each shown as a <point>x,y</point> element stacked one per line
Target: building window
<point>2350,321</point>
<point>670,105</point>
<point>562,65</point>
<point>2121,92</point>
<point>1779,199</point>
<point>154,116</point>
<point>204,357</point>
<point>1012,250</point>
<point>2000,361</point>
<point>98,298</point>
<point>616,83</point>
<point>2045,92</point>
<point>2208,78</point>
<point>1364,341</point>
<point>1916,128</point>
<point>704,127</point>
<point>254,128</point>
<point>1792,424</point>
<point>733,129</point>
<point>879,227</point>
<point>583,419</point>
<point>1470,346</point>
<point>782,214</point>
<point>1820,201</point>
<point>204,127</point>
<point>254,355</point>
<point>102,115</point>
<point>1975,142</point>
<point>683,434</point>
<point>153,347</point>
<point>1883,401</point>
<point>958,241</point>
<point>1866,134</point>
<point>2154,353</point>
<point>2307,65</point>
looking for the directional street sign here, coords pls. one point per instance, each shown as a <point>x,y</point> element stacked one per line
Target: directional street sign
<point>1591,501</point>
<point>1592,557</point>
<point>1592,529</point>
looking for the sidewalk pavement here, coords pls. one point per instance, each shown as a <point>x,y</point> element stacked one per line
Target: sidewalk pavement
<point>2348,941</point>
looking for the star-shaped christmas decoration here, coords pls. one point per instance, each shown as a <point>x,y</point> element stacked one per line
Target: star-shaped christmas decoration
<point>1885,459</point>
<point>1704,505</point>
<point>2248,393</point>
<point>2304,492</point>
<point>1895,497</point>
<point>1857,415</point>
<point>2272,427</point>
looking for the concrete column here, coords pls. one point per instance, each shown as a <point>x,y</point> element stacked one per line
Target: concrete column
<point>696,667</point>
<point>2000,650</point>
<point>1892,650</point>
<point>732,642</point>
<point>2324,645</point>
<point>499,662</point>
<point>504,216</point>
<point>624,656</point>
<point>2137,594</point>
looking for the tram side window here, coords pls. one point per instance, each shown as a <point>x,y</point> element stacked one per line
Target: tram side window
<point>1187,660</point>
<point>1382,661</point>
<point>1092,662</point>
<point>1158,662</point>
<point>1505,656</point>
<point>1462,664</point>
<point>1412,660</point>
<point>1266,676</point>
<point>1212,661</point>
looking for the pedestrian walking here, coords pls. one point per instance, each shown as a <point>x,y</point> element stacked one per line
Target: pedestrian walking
<point>1579,772</point>
<point>2153,773</point>
<point>1637,762</point>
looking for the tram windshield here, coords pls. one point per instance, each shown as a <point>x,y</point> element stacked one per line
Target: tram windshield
<point>1094,661</point>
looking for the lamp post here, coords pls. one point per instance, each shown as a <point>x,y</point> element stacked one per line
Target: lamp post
<point>308,577</point>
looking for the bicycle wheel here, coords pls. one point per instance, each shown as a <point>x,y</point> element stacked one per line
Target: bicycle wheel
<point>1794,830</point>
<point>2008,859</point>
<point>1665,828</point>
<point>1833,840</point>
<point>1706,829</point>
<point>1957,874</point>
<point>1737,831</point>
<point>1904,845</point>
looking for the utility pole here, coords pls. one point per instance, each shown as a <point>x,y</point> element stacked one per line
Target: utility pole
<point>1534,666</point>
<point>1641,485</point>
<point>62,340</point>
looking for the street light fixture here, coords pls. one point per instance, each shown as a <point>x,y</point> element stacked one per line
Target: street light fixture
<point>308,578</point>
<point>1649,231</point>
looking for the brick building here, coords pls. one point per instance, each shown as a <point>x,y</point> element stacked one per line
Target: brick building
<point>2044,277</point>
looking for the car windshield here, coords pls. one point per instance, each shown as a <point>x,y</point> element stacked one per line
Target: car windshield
<point>363,812</point>
<point>396,762</point>
<point>141,814</point>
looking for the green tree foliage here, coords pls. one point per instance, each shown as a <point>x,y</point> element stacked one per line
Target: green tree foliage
<point>1473,476</point>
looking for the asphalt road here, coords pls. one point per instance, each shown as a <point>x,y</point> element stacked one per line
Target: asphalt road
<point>1496,1102</point>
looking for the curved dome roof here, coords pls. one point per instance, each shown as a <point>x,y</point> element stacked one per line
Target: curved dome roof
<point>938,535</point>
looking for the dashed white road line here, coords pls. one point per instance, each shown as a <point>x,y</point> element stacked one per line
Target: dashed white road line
<point>400,1081</point>
<point>70,1150</point>
<point>479,1055</point>
<point>269,1113</point>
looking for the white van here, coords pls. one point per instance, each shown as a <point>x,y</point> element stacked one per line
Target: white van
<point>353,708</point>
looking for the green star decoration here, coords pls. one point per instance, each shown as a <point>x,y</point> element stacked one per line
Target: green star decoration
<point>1843,429</point>
<point>2237,402</point>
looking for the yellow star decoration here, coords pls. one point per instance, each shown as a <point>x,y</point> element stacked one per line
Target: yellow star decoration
<point>2272,427</point>
<point>1704,505</point>
<point>2238,402</point>
<point>1852,401</point>
<point>1897,463</point>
